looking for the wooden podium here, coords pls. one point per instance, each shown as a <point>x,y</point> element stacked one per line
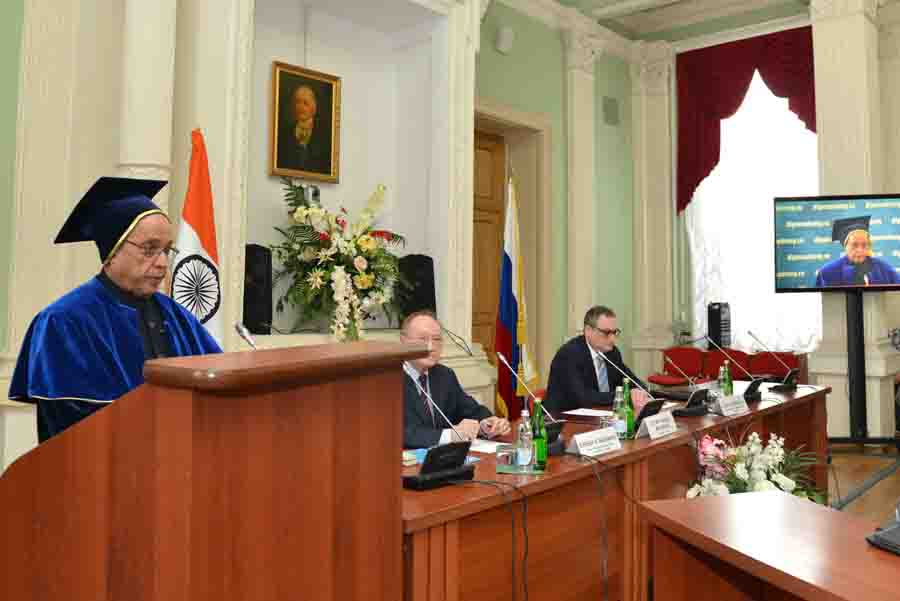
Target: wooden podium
<point>268,475</point>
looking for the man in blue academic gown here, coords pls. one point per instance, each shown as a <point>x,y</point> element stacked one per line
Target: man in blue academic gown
<point>857,267</point>
<point>88,348</point>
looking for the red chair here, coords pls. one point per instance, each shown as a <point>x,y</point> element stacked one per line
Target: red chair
<point>688,358</point>
<point>715,358</point>
<point>764,364</point>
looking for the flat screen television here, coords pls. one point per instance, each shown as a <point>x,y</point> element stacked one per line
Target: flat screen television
<point>842,243</point>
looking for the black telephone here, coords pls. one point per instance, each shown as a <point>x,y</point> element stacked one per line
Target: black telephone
<point>789,384</point>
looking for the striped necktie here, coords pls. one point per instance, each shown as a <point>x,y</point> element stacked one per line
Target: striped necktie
<point>602,377</point>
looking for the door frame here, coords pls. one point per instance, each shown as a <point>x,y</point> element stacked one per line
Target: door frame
<point>530,133</point>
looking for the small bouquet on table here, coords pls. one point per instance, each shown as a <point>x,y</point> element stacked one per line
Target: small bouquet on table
<point>340,269</point>
<point>753,466</point>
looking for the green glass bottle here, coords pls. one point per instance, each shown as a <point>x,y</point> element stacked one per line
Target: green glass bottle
<point>629,408</point>
<point>728,384</point>
<point>539,432</point>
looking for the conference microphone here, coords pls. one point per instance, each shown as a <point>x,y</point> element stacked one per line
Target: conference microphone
<point>790,379</point>
<point>752,393</point>
<point>626,376</point>
<point>244,333</point>
<point>458,341</point>
<point>681,371</point>
<point>524,385</point>
<point>730,358</point>
<point>433,405</point>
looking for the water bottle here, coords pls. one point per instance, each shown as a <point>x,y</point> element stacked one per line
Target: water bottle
<point>539,433</point>
<point>621,416</point>
<point>720,381</point>
<point>524,441</point>
<point>727,384</point>
<point>629,408</point>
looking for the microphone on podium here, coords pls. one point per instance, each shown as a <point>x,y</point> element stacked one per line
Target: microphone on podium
<point>789,384</point>
<point>752,393</point>
<point>524,385</point>
<point>626,376</point>
<point>244,333</point>
<point>433,405</point>
<point>681,371</point>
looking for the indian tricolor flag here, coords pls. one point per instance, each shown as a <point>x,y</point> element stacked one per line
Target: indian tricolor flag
<point>195,277</point>
<point>511,337</point>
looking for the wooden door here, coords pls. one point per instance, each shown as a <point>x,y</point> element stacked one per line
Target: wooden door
<point>487,243</point>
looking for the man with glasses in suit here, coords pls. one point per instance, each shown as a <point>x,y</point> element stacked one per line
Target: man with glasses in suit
<point>423,425</point>
<point>579,374</point>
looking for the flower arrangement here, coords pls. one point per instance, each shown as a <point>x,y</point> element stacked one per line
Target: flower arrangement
<point>753,466</point>
<point>340,269</point>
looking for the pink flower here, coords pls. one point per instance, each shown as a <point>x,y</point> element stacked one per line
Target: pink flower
<point>711,456</point>
<point>360,263</point>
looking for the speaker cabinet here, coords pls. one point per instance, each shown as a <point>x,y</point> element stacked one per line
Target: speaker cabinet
<point>258,289</point>
<point>418,270</point>
<point>718,317</point>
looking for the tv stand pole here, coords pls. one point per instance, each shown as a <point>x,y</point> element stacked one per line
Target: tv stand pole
<point>856,366</point>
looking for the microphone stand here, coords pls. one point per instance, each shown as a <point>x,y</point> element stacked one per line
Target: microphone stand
<point>555,445</point>
<point>684,375</point>
<point>242,331</point>
<point>752,393</point>
<point>626,376</point>
<point>788,384</point>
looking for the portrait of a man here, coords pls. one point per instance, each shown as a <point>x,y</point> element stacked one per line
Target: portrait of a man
<point>857,266</point>
<point>305,123</point>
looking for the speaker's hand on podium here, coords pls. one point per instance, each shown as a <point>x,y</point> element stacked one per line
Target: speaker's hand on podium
<point>639,398</point>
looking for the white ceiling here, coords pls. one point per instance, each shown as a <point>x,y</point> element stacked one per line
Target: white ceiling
<point>386,16</point>
<point>642,17</point>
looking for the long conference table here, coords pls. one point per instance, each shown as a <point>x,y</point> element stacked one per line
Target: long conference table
<point>583,518</point>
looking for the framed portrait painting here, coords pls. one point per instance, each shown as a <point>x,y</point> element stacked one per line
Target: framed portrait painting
<point>306,123</point>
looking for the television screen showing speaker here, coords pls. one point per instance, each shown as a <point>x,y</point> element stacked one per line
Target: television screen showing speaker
<point>837,243</point>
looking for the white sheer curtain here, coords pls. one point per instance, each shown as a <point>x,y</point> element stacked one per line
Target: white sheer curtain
<point>766,152</point>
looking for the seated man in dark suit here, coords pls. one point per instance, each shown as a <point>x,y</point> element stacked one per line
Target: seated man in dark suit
<point>423,426</point>
<point>580,377</point>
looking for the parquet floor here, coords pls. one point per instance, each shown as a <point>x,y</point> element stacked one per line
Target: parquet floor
<point>852,465</point>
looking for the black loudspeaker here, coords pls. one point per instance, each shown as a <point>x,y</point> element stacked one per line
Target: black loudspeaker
<point>718,317</point>
<point>258,289</point>
<point>418,271</point>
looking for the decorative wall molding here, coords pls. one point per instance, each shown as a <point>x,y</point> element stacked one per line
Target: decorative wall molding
<point>651,68</point>
<point>830,9</point>
<point>555,15</point>
<point>741,33</point>
<point>581,51</point>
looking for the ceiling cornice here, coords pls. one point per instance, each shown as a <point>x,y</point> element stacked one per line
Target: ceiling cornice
<point>566,18</point>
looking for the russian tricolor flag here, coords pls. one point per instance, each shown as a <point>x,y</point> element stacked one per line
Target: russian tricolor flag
<point>511,337</point>
<point>195,276</point>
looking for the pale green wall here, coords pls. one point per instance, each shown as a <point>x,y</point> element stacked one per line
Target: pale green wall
<point>532,79</point>
<point>615,196</point>
<point>11,17</point>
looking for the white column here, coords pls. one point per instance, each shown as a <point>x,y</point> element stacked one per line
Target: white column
<point>851,154</point>
<point>654,206</point>
<point>148,79</point>
<point>580,126</point>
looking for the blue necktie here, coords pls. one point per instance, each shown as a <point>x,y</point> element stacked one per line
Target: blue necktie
<point>602,379</point>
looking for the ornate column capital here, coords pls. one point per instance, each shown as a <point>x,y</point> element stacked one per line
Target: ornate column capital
<point>651,67</point>
<point>829,9</point>
<point>581,50</point>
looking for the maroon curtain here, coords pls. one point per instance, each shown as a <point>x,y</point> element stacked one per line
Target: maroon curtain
<point>712,83</point>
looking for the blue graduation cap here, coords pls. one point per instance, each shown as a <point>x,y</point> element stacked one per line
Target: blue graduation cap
<point>841,228</point>
<point>109,211</point>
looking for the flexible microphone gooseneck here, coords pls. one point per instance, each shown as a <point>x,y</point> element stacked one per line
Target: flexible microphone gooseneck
<point>729,357</point>
<point>433,405</point>
<point>681,371</point>
<point>244,333</point>
<point>626,376</point>
<point>524,385</point>
<point>458,341</point>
